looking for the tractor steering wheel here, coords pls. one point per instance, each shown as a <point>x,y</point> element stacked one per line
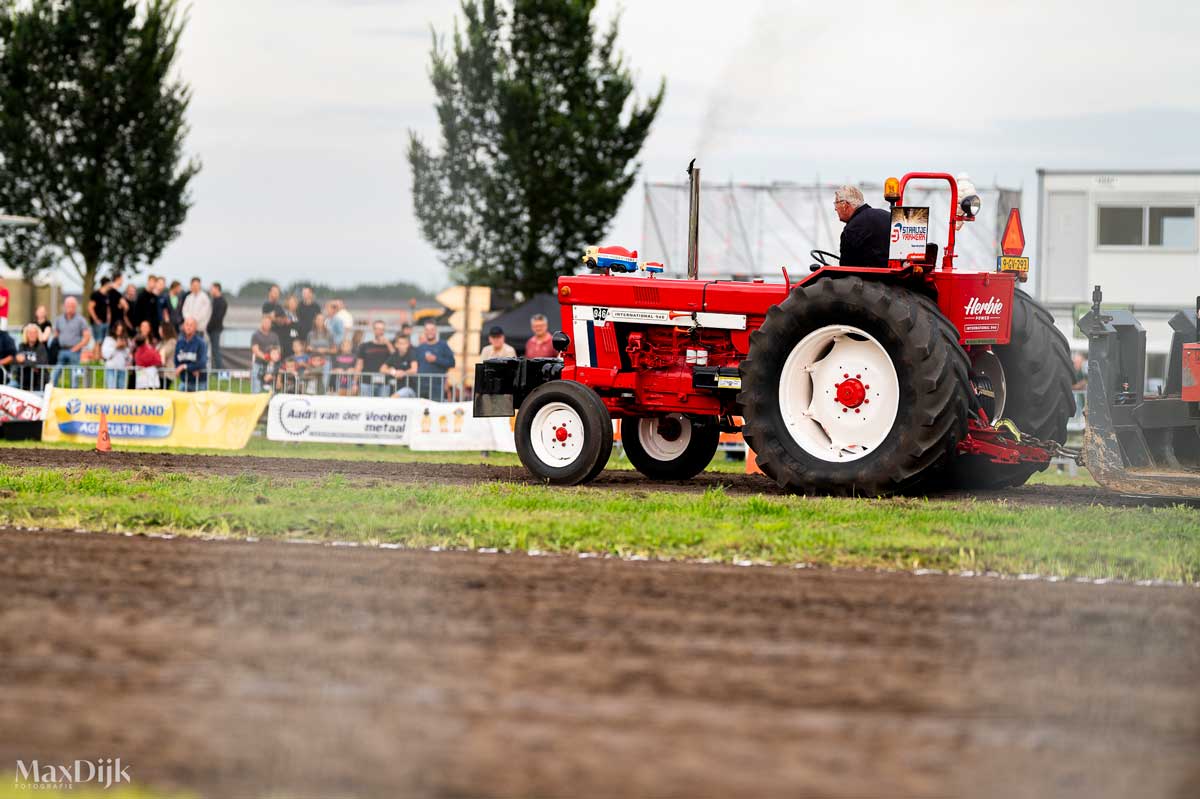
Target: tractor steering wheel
<point>820,255</point>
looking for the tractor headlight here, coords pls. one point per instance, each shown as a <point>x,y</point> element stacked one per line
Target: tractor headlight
<point>971,205</point>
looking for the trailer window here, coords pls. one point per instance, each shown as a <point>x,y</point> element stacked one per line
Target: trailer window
<point>1120,227</point>
<point>1173,228</point>
<point>1155,227</point>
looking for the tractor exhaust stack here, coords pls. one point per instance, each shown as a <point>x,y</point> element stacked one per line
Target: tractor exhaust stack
<point>693,254</point>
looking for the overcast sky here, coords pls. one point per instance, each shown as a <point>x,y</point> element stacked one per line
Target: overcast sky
<point>301,109</point>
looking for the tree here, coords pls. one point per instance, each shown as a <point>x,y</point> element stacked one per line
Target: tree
<point>539,137</point>
<point>92,123</point>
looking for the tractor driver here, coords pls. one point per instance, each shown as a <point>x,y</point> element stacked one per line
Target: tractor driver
<point>865,239</point>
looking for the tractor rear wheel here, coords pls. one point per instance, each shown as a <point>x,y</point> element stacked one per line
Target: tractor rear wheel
<point>672,447</point>
<point>564,433</point>
<point>853,387</point>
<point>1036,375</point>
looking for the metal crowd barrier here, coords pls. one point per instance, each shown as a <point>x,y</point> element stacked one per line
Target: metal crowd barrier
<point>260,377</point>
<point>1077,423</point>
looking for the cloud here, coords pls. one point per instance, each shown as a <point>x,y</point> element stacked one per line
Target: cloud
<point>302,106</point>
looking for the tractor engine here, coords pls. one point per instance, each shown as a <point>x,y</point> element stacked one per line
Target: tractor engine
<point>661,347</point>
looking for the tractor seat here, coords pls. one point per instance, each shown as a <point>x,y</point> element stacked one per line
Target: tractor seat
<point>931,254</point>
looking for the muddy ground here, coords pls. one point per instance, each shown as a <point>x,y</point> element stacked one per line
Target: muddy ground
<point>252,669</point>
<point>452,474</point>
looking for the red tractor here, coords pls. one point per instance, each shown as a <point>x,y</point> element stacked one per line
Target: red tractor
<point>853,381</point>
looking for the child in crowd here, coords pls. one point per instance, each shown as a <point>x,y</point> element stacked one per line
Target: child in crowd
<point>31,360</point>
<point>341,376</point>
<point>296,367</point>
<point>401,367</point>
<point>148,362</point>
<point>146,331</point>
<point>117,358</point>
<point>166,349</point>
<point>269,370</point>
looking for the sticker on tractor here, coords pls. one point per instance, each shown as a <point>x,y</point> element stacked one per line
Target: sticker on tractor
<point>909,232</point>
<point>982,316</point>
<point>659,316</point>
<point>729,381</point>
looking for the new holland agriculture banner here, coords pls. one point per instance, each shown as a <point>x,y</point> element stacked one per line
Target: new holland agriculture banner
<point>416,423</point>
<point>213,419</point>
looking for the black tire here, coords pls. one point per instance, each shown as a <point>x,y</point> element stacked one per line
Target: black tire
<point>932,370</point>
<point>595,426</point>
<point>1038,376</point>
<point>705,436</point>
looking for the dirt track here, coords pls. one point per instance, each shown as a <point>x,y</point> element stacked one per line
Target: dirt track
<point>244,669</point>
<point>452,474</point>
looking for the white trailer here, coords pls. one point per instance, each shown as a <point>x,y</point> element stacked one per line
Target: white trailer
<point>1133,232</point>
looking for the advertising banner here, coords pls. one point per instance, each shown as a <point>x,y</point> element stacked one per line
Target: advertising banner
<point>20,406</point>
<point>416,423</point>
<point>447,426</point>
<point>208,419</point>
<point>910,232</point>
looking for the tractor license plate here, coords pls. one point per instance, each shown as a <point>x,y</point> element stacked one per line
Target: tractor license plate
<point>1019,265</point>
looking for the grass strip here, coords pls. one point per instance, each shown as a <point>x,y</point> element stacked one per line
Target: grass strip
<point>1160,543</point>
<point>261,447</point>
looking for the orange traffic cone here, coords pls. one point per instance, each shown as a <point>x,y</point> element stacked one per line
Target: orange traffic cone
<point>752,462</point>
<point>103,444</point>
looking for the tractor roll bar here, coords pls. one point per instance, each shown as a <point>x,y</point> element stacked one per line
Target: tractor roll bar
<point>948,259</point>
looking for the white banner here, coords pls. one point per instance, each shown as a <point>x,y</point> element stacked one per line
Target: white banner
<point>416,423</point>
<point>21,406</point>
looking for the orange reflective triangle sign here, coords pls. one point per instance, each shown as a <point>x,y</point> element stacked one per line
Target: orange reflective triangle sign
<point>1013,240</point>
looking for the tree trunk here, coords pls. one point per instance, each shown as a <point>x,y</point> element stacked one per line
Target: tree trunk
<point>89,283</point>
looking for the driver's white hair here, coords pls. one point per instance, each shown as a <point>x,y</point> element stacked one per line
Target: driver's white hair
<point>850,194</point>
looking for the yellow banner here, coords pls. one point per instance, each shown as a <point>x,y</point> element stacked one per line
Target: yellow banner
<point>208,419</point>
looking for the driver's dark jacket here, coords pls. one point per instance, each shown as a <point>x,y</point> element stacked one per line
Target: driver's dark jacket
<point>865,238</point>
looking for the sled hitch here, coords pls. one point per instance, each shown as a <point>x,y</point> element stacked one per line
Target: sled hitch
<point>1004,443</point>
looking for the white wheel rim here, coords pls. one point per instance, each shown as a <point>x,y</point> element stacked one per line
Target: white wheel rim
<point>556,434</point>
<point>831,421</point>
<point>665,438</point>
<point>987,364</point>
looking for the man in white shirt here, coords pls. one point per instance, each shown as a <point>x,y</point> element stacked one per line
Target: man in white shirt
<point>343,313</point>
<point>497,347</point>
<point>198,306</point>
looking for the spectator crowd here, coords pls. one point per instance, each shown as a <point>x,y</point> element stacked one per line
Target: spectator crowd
<point>154,337</point>
<point>161,336</point>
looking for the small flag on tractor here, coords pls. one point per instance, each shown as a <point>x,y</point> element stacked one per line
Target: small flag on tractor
<point>103,444</point>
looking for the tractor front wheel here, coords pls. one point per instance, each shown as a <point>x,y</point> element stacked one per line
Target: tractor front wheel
<point>854,387</point>
<point>564,433</point>
<point>672,447</point>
